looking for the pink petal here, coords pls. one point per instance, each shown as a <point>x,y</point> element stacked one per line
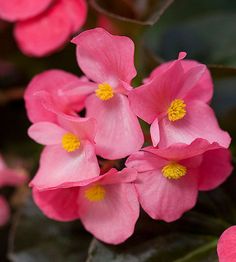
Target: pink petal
<point>144,161</point>
<point>76,12</point>
<point>153,98</point>
<point>54,83</point>
<point>179,151</point>
<point>154,131</point>
<point>166,199</point>
<point>103,64</point>
<point>113,219</point>
<point>59,168</point>
<point>45,33</point>
<point>59,204</point>
<point>226,245</point>
<point>21,9</point>
<point>118,131</point>
<point>203,90</point>
<point>46,133</point>
<point>4,211</point>
<point>215,168</point>
<point>84,128</point>
<point>199,122</point>
<point>10,177</point>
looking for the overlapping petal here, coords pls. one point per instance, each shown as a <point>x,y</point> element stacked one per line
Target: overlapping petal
<point>118,131</point>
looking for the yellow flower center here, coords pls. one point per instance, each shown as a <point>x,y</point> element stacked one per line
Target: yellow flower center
<point>176,110</point>
<point>70,142</point>
<point>104,91</point>
<point>174,171</point>
<point>95,193</point>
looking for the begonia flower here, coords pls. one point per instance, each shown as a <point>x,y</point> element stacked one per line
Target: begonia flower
<point>169,178</point>
<point>69,154</point>
<point>226,247</point>
<point>47,93</point>
<point>108,61</point>
<point>174,100</point>
<point>107,205</point>
<point>8,177</point>
<point>43,26</point>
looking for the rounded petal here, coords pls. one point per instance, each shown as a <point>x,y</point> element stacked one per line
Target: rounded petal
<point>104,57</point>
<point>199,122</point>
<point>203,90</point>
<point>113,219</point>
<point>118,131</point>
<point>154,131</point>
<point>45,33</point>
<point>226,245</point>
<point>166,199</point>
<point>59,204</point>
<point>46,133</point>
<point>215,168</point>
<point>76,12</point>
<point>22,9</point>
<point>58,168</point>
<point>52,85</point>
<point>4,211</point>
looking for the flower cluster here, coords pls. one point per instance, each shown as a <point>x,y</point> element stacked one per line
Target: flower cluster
<point>43,26</point>
<point>81,119</point>
<point>8,177</point>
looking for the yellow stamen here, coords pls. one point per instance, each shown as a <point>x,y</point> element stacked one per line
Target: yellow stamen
<point>174,171</point>
<point>104,91</point>
<point>95,193</point>
<point>70,142</point>
<point>177,110</point>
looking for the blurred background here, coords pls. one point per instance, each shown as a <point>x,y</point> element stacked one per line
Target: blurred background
<point>206,30</point>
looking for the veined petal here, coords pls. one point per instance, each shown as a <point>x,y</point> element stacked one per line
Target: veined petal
<point>59,168</point>
<point>166,199</point>
<point>118,212</point>
<point>118,131</point>
<point>104,57</point>
<point>199,122</point>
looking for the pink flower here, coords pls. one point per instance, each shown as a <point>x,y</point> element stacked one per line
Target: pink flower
<point>174,100</point>
<point>69,154</point>
<point>107,205</point>
<point>8,177</point>
<point>48,93</point>
<point>169,178</point>
<point>226,247</point>
<point>108,61</point>
<point>43,26</point>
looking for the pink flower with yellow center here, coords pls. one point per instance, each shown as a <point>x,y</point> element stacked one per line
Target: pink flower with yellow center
<point>108,61</point>
<point>169,178</point>
<point>69,154</point>
<point>174,101</point>
<point>43,26</point>
<point>107,205</point>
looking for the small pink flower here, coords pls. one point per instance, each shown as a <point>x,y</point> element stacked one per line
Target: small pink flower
<point>169,179</point>
<point>226,247</point>
<point>8,177</point>
<point>43,26</point>
<point>174,100</point>
<point>108,60</point>
<point>69,154</point>
<point>107,205</point>
<point>52,91</point>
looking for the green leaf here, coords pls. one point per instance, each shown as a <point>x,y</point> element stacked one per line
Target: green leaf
<point>36,238</point>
